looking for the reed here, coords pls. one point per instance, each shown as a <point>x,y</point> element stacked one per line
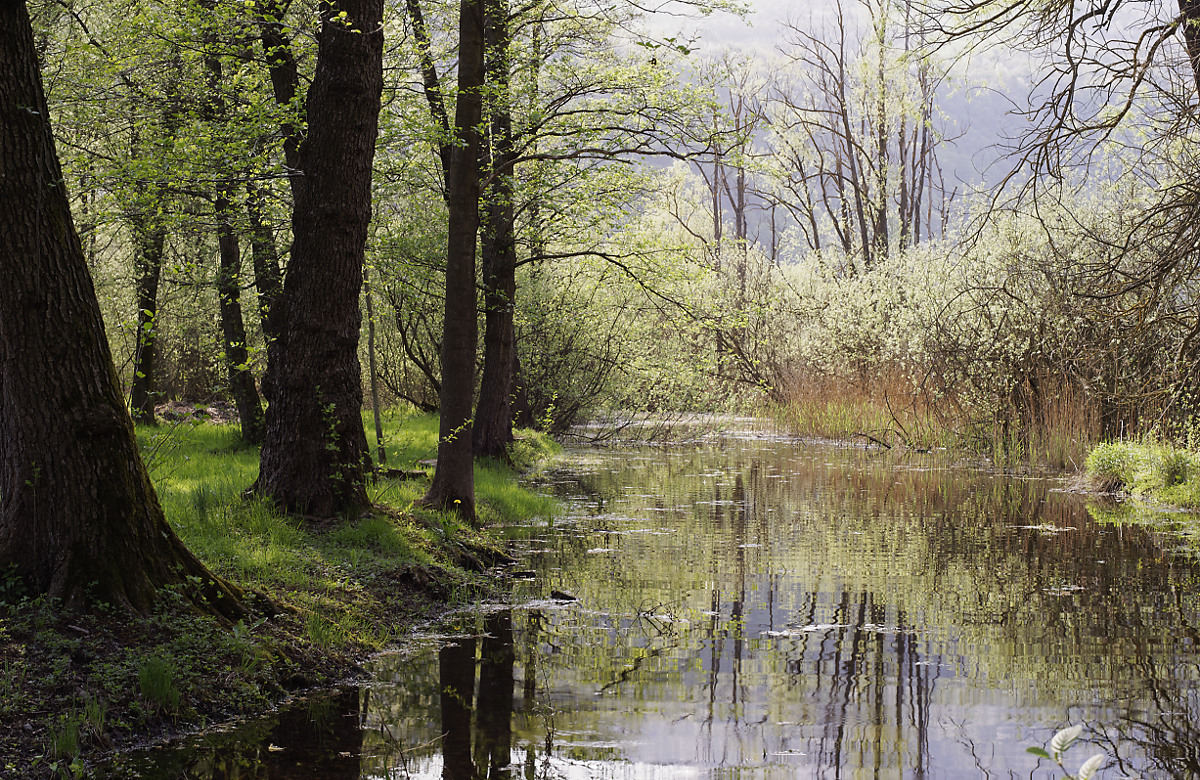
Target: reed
<point>1046,421</point>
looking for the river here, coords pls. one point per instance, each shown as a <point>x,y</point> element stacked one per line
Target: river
<point>751,606</point>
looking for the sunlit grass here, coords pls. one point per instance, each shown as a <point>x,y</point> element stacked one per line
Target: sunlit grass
<point>202,472</point>
<point>1148,469</point>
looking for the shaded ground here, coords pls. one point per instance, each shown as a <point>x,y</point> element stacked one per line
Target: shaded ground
<point>76,688</point>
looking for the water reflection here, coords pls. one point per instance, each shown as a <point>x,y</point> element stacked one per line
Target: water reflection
<point>492,752</point>
<point>759,610</point>
<point>320,737</point>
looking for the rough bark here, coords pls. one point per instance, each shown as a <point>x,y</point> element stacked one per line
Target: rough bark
<point>79,519</point>
<point>453,485</point>
<point>233,328</point>
<point>315,457</point>
<point>493,425</point>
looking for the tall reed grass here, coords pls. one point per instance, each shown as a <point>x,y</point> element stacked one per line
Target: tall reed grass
<point>1048,422</point>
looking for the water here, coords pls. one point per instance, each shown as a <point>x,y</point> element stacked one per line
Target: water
<point>760,608</point>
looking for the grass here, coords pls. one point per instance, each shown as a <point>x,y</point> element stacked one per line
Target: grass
<point>344,590</point>
<point>1054,427</point>
<point>156,682</point>
<point>881,410</point>
<point>1147,469</point>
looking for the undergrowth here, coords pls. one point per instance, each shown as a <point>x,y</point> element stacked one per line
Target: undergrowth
<point>884,410</point>
<point>74,686</point>
<point>1149,470</point>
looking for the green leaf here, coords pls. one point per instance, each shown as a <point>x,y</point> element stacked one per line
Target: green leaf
<point>1037,751</point>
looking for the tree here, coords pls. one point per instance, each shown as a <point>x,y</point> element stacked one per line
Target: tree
<point>1113,106</point>
<point>79,519</point>
<point>315,456</point>
<point>855,141</point>
<point>493,424</point>
<point>453,484</point>
<point>233,327</point>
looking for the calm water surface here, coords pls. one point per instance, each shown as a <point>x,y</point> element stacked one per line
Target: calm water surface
<point>760,608</point>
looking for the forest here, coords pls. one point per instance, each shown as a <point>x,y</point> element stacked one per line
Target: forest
<point>662,226</point>
<point>536,215</point>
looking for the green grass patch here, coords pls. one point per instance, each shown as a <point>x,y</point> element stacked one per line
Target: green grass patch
<point>1150,470</point>
<point>326,594</point>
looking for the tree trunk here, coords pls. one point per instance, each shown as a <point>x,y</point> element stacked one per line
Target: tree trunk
<point>315,457</point>
<point>150,240</point>
<point>453,485</point>
<point>376,412</point>
<point>493,426</point>
<point>429,77</point>
<point>233,329</point>
<point>79,519</point>
<point>268,279</point>
<point>285,77</point>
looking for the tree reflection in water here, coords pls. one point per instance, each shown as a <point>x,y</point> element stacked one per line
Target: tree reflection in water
<point>772,610</point>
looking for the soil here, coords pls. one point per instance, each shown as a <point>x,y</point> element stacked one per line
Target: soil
<point>77,688</point>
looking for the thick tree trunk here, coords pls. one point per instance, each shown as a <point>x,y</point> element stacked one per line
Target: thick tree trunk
<point>79,519</point>
<point>315,457</point>
<point>233,328</point>
<point>453,485</point>
<point>493,426</point>
<point>151,241</point>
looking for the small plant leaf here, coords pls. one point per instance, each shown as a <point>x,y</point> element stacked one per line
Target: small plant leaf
<point>1037,751</point>
<point>1090,767</point>
<point>1064,739</point>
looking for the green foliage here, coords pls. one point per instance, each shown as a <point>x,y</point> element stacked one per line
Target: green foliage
<point>12,587</point>
<point>63,739</point>
<point>324,633</point>
<point>156,682</point>
<point>1148,469</point>
<point>1113,463</point>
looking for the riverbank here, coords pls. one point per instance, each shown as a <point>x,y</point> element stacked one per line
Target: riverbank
<point>75,688</point>
<point>1146,470</point>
